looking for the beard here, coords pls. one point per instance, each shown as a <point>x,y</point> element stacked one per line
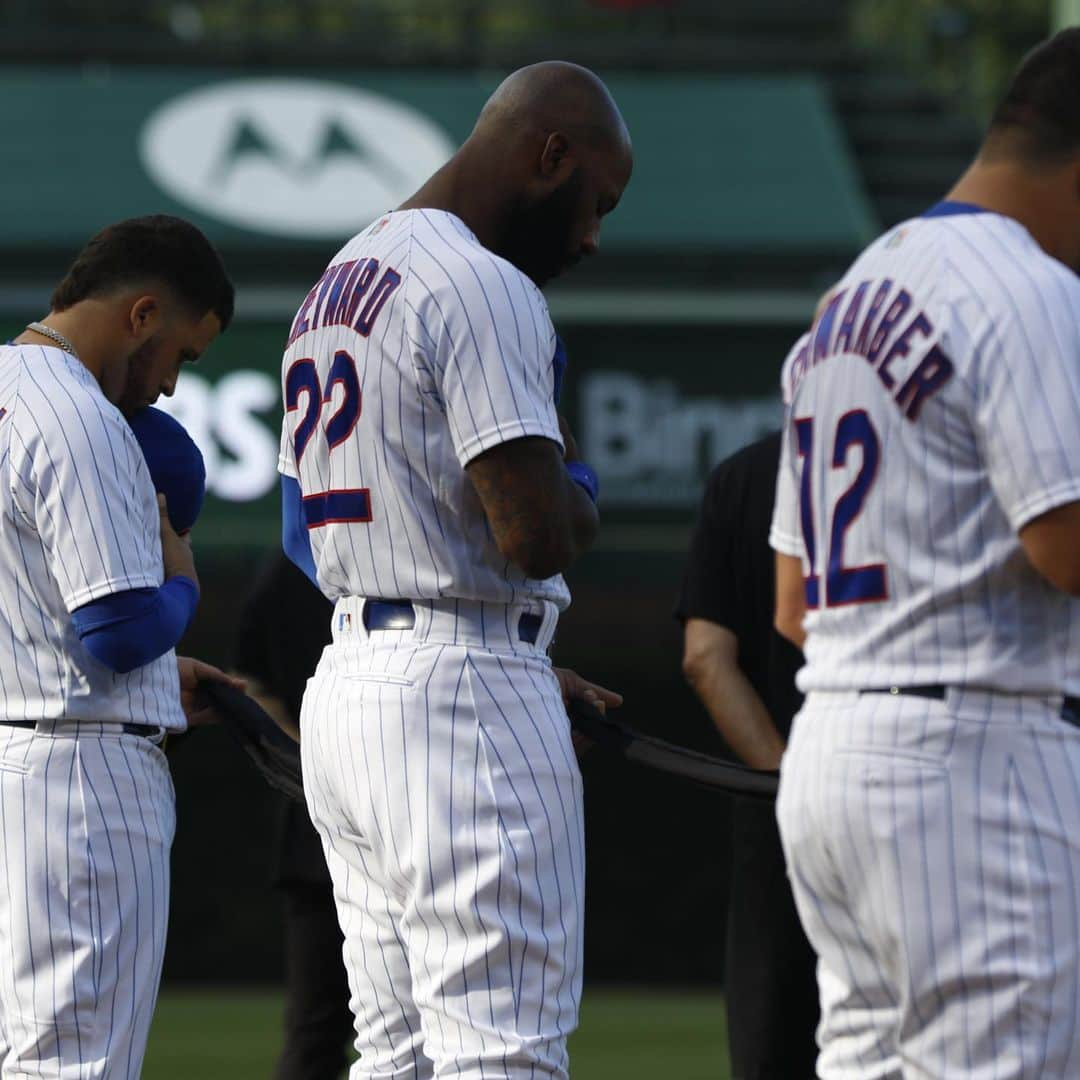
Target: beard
<point>538,238</point>
<point>136,388</point>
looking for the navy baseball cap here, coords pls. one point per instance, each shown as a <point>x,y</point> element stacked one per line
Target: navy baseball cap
<point>175,462</point>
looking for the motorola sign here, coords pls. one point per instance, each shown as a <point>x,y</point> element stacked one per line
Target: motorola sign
<point>291,157</point>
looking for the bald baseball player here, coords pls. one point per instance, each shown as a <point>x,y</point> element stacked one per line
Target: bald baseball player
<point>96,588</point>
<point>927,526</point>
<point>432,490</point>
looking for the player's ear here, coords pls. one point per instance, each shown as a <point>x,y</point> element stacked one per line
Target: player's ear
<point>144,315</point>
<point>555,158</point>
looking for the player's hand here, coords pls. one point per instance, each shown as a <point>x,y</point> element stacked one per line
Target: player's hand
<point>175,549</point>
<point>570,451</point>
<point>574,686</point>
<point>193,672</point>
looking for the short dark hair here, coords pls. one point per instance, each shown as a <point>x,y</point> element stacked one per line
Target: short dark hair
<point>157,247</point>
<point>1042,104</point>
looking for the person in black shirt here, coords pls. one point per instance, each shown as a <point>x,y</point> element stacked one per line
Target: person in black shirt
<point>744,673</point>
<point>282,631</point>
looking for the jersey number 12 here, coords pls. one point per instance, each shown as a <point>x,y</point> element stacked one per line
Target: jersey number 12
<point>843,584</point>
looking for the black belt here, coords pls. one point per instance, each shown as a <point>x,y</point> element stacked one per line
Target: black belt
<point>145,730</point>
<point>1070,707</point>
<point>399,615</point>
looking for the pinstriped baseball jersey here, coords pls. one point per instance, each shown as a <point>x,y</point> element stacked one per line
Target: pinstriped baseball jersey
<point>78,521</point>
<point>933,410</point>
<point>416,351</point>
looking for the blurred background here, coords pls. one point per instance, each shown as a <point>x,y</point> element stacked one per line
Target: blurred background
<point>773,139</point>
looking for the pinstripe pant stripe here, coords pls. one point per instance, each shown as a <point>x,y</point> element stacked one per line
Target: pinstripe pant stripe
<point>444,785</point>
<point>936,872</point>
<point>87,826</point>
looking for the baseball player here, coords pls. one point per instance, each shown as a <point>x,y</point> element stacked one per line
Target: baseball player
<point>441,497</point>
<point>927,526</point>
<point>96,588</point>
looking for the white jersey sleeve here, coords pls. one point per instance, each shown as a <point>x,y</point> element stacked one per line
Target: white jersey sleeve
<point>82,483</point>
<point>286,463</point>
<point>490,346</point>
<point>1025,380</point>
<point>785,536</point>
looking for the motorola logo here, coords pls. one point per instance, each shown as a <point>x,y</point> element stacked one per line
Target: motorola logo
<point>291,157</point>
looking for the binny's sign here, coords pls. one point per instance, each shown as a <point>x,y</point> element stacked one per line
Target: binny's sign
<point>291,157</point>
<point>653,446</point>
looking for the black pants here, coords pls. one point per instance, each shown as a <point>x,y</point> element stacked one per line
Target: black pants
<point>772,996</point>
<point>318,1023</point>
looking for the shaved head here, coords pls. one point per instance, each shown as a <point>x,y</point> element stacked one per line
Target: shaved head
<point>549,157</point>
<point>555,96</point>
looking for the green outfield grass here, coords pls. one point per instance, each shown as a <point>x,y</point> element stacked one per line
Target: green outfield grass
<point>624,1035</point>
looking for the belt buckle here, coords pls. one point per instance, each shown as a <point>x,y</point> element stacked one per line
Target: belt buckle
<point>529,627</point>
<point>1070,710</point>
<point>931,691</point>
<point>382,614</point>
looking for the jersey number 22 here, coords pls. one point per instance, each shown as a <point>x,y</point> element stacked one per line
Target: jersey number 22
<point>337,505</point>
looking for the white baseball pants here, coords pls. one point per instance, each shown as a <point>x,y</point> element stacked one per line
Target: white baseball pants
<point>87,816</point>
<point>934,851</point>
<point>441,776</point>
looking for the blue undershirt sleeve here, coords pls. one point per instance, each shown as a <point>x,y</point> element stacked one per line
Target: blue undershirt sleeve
<point>128,629</point>
<point>294,535</point>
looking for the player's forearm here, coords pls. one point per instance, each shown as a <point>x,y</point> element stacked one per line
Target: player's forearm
<point>541,519</point>
<point>176,554</point>
<point>127,630</point>
<point>295,541</point>
<point>790,600</point>
<point>738,713</point>
<point>1052,545</point>
<point>584,519</point>
<point>570,530</point>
